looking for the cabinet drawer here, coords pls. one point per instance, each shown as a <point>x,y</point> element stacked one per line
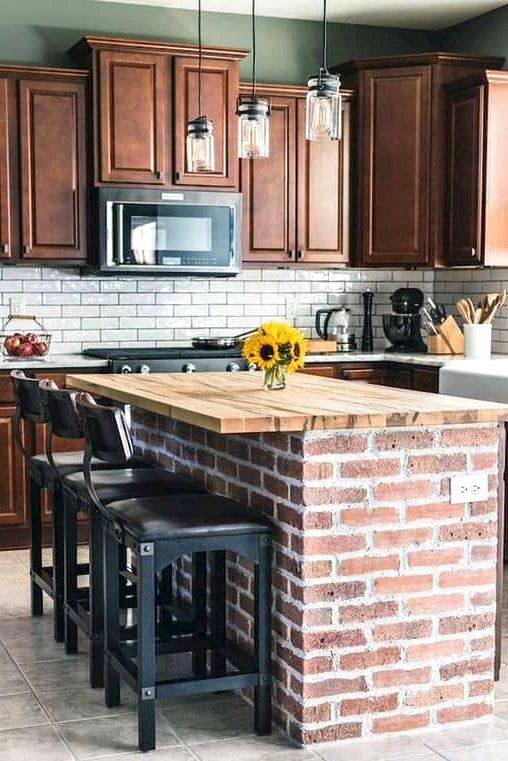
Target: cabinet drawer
<point>365,374</point>
<point>6,392</point>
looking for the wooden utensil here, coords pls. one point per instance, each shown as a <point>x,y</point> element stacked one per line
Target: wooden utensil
<point>472,310</point>
<point>463,310</point>
<point>496,304</point>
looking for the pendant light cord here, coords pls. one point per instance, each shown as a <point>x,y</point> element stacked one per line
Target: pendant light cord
<point>324,37</point>
<point>199,58</point>
<point>253,48</point>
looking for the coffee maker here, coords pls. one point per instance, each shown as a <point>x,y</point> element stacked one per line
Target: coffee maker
<point>334,324</point>
<point>402,325</point>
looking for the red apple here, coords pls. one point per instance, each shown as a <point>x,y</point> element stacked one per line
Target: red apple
<point>32,338</point>
<point>12,344</point>
<point>26,350</point>
<point>40,348</point>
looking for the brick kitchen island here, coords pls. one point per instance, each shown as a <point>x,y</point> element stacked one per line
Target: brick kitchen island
<point>384,615</point>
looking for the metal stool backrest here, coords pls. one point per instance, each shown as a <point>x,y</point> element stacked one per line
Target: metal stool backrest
<point>107,437</point>
<point>62,417</point>
<point>29,405</point>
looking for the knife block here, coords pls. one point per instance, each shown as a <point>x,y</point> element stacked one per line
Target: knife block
<point>437,345</point>
<point>450,339</point>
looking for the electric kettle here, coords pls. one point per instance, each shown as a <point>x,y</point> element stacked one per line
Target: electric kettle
<point>332,323</point>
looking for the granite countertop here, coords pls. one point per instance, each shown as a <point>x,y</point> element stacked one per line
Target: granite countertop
<point>53,362</point>
<point>436,360</point>
<point>237,402</point>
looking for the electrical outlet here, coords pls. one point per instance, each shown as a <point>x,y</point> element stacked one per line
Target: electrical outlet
<point>472,488</point>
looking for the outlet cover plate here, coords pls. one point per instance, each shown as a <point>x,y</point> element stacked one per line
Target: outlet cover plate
<point>469,488</point>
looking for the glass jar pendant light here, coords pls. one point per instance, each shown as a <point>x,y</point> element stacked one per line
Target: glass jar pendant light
<point>253,113</point>
<point>323,108</point>
<point>199,144</point>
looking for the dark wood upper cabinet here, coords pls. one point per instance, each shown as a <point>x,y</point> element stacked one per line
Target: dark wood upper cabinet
<point>43,167</point>
<point>5,173</point>
<point>219,90</point>
<point>132,139</point>
<point>476,210</point>
<point>296,202</point>
<point>400,158</point>
<point>53,170</point>
<point>144,94</point>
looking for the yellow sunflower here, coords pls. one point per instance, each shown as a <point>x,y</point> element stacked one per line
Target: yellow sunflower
<point>275,343</point>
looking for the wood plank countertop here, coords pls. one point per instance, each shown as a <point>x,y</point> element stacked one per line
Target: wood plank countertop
<point>237,402</point>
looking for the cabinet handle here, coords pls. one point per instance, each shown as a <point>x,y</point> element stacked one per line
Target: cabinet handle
<point>298,255</point>
<point>5,248</point>
<point>159,175</point>
<point>177,176</point>
<point>291,254</point>
<point>473,252</point>
<point>25,249</point>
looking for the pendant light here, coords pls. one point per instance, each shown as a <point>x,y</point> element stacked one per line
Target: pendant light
<point>200,150</point>
<point>253,113</point>
<point>323,112</point>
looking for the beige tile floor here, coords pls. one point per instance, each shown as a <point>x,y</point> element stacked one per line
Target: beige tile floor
<point>48,713</point>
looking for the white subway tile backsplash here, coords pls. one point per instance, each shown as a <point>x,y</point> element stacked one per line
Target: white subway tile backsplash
<point>89,310</point>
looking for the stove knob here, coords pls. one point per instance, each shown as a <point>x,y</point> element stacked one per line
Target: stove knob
<point>252,367</point>
<point>126,369</point>
<point>232,367</point>
<point>144,369</point>
<point>188,368</point>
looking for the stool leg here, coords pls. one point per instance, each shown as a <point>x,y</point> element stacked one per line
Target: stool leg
<point>218,608</point>
<point>58,562</point>
<point>96,601</point>
<point>111,554</point>
<point>262,628</point>
<point>166,600</point>
<point>199,600</point>
<point>70,575</point>
<point>146,646</point>
<point>34,517</point>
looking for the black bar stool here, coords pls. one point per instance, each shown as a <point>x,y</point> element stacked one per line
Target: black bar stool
<point>158,531</point>
<point>116,480</point>
<point>45,472</point>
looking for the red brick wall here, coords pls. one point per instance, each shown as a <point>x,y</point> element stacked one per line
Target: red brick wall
<point>384,592</point>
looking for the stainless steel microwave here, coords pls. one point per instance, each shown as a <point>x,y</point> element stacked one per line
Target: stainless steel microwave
<point>169,232</point>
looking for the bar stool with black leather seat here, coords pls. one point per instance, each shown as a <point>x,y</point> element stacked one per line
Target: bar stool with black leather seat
<point>116,480</point>
<point>45,472</point>
<point>157,531</point>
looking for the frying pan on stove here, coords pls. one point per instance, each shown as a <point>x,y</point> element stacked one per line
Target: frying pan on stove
<point>220,342</point>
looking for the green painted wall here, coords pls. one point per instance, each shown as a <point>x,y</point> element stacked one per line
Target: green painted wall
<point>40,31</point>
<point>484,34</point>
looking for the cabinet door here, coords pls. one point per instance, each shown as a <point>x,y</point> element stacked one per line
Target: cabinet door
<point>53,171</point>
<point>323,194</point>
<point>393,219</point>
<point>425,379</point>
<point>464,195</point>
<point>269,191</point>
<point>219,89</point>
<point>133,123</point>
<point>5,174</point>
<point>13,482</point>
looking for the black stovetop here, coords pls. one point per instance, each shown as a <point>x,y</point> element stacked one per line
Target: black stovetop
<point>159,352</point>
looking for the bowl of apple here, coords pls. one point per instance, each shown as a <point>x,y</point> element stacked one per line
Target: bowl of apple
<point>30,345</point>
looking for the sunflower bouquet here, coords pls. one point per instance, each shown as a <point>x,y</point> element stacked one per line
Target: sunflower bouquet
<point>276,348</point>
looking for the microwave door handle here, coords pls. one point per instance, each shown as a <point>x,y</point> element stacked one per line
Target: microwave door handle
<point>119,240</point>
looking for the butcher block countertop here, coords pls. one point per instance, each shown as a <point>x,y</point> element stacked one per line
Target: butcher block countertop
<point>237,402</point>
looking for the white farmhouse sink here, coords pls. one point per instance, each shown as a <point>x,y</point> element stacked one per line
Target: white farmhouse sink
<point>476,379</point>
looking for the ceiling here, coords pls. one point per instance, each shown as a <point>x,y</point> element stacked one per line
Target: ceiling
<point>410,14</point>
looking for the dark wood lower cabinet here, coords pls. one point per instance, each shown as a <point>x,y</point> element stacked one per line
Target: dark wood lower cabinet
<point>418,378</point>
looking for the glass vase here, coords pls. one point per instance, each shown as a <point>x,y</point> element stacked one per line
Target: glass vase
<point>274,377</point>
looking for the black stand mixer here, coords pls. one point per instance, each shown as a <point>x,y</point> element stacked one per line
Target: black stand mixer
<point>402,326</point>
